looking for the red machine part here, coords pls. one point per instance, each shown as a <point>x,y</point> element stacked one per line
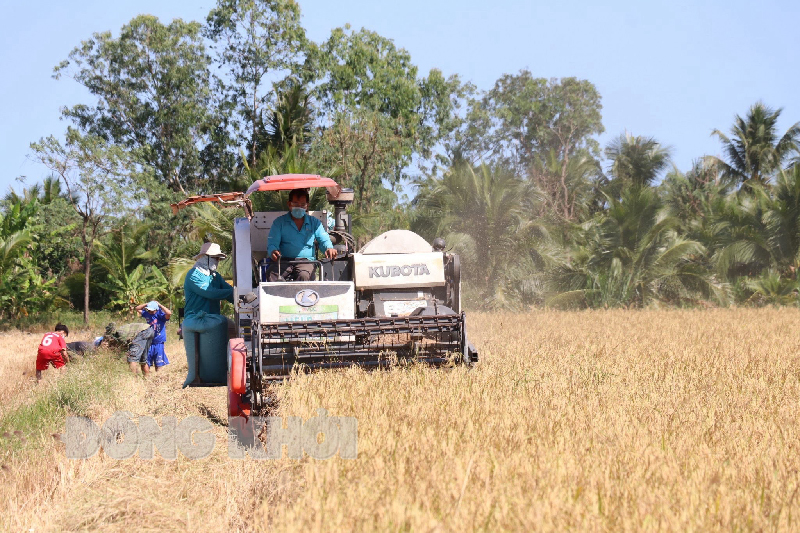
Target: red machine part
<point>238,358</point>
<point>236,407</point>
<point>287,182</point>
<point>237,379</point>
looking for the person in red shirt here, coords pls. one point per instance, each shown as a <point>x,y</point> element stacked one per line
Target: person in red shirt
<point>52,350</point>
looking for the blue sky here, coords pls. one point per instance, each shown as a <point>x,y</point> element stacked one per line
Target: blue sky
<point>672,70</point>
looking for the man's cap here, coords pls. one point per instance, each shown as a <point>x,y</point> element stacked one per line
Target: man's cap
<point>152,306</point>
<point>211,249</point>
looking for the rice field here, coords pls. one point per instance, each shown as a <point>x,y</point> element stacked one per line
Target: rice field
<point>594,420</point>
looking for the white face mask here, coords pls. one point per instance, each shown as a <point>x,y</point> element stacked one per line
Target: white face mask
<point>212,264</point>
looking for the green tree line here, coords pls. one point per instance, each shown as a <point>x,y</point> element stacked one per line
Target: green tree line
<point>512,177</point>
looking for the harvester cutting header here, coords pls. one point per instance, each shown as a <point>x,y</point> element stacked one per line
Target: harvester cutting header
<point>397,299</point>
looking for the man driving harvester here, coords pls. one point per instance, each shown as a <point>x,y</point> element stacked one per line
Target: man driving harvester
<point>292,237</point>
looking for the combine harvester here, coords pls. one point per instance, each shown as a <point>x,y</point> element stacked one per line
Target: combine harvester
<point>394,301</point>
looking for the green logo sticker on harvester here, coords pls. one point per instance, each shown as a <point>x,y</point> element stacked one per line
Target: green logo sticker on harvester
<point>295,313</point>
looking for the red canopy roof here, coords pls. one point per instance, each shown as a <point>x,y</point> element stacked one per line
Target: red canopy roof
<point>287,182</point>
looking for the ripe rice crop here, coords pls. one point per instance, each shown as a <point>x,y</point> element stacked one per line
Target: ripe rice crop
<point>599,420</point>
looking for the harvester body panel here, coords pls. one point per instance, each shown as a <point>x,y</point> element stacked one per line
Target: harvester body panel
<point>306,301</point>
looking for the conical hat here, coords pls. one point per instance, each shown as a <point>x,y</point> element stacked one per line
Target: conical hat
<point>210,249</point>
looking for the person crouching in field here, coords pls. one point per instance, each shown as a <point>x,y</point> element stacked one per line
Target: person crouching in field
<point>52,350</point>
<point>156,315</point>
<point>135,338</point>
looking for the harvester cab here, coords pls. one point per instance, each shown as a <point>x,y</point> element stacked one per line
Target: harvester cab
<point>394,301</point>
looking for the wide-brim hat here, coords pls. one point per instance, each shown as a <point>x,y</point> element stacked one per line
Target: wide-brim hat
<point>211,249</point>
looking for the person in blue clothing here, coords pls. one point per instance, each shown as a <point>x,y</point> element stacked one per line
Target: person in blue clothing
<point>156,315</point>
<point>292,237</point>
<point>204,287</point>
<point>205,330</point>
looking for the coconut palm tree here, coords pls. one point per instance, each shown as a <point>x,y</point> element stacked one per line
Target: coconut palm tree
<point>739,236</point>
<point>637,161</point>
<point>694,198</point>
<point>772,288</point>
<point>122,256</point>
<point>291,120</point>
<point>43,193</point>
<point>288,124</point>
<point>754,151</point>
<point>760,231</point>
<point>481,212</point>
<point>632,255</point>
<point>574,197</point>
<point>783,220</point>
<point>51,189</point>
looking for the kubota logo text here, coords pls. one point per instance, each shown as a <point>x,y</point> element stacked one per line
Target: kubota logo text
<point>394,271</point>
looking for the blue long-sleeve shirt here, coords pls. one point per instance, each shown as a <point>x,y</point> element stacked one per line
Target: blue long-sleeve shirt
<point>203,292</point>
<point>291,242</point>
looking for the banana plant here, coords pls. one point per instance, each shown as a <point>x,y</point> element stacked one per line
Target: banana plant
<point>128,278</point>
